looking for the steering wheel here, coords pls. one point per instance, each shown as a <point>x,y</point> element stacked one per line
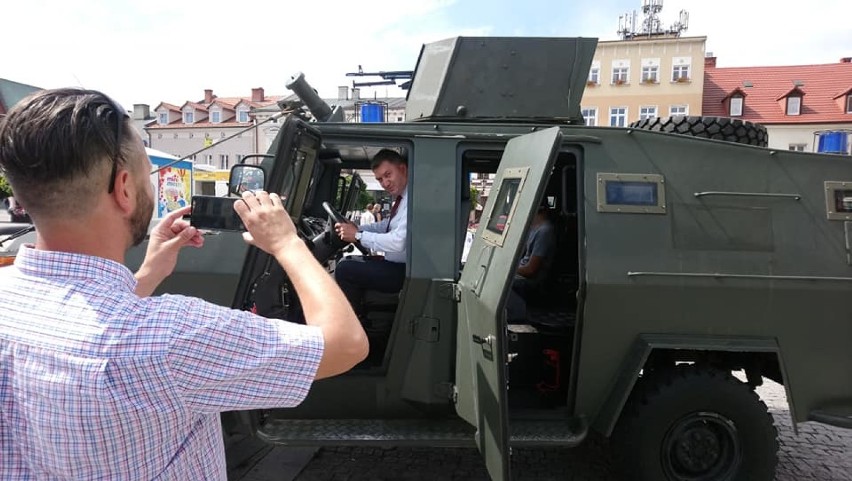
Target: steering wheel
<point>338,218</point>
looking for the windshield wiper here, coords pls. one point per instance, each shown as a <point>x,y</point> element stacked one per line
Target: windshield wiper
<point>16,234</point>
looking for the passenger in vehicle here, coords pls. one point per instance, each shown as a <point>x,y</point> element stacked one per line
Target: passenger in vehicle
<point>385,273</point>
<point>98,378</point>
<point>367,216</point>
<point>534,265</point>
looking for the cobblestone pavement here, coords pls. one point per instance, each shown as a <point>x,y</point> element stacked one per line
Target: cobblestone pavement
<point>818,452</point>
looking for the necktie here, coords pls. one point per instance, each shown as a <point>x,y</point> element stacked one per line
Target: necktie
<point>394,208</point>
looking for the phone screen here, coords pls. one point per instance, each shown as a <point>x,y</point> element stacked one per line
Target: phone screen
<point>215,213</point>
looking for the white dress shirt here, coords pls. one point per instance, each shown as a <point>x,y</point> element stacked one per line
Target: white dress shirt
<point>377,237</point>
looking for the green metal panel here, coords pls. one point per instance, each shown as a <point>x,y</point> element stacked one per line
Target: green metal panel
<point>481,341</point>
<point>745,249</point>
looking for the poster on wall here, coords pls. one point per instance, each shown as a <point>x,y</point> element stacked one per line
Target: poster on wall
<point>172,182</point>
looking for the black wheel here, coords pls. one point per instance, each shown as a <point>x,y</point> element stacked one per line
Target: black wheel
<point>695,424</point>
<point>719,128</point>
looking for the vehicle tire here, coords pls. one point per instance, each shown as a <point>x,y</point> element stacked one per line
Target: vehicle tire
<point>695,424</point>
<point>719,128</point>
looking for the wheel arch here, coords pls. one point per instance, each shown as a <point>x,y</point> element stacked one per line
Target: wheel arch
<point>759,357</point>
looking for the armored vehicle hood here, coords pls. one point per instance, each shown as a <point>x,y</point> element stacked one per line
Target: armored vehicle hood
<point>500,78</point>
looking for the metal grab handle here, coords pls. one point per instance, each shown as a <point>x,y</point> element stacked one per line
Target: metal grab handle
<point>749,194</point>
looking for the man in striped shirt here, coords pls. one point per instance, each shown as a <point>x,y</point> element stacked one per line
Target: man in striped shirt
<point>100,380</point>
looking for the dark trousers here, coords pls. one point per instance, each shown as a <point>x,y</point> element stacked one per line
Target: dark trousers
<point>357,274</point>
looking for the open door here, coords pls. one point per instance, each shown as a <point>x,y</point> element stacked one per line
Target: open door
<point>485,280</point>
<point>289,173</point>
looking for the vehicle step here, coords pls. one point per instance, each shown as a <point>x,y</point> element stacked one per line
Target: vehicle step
<point>834,419</point>
<point>412,432</point>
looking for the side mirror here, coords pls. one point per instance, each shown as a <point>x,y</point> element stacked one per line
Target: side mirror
<point>246,177</point>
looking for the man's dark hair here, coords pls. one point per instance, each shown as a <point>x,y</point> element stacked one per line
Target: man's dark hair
<point>58,147</point>
<point>387,155</point>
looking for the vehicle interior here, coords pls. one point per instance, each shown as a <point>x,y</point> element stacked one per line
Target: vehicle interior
<point>540,346</point>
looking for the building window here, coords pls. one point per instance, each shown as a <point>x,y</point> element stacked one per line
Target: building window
<point>215,117</point>
<point>163,118</point>
<point>399,119</point>
<point>647,112</point>
<point>679,110</point>
<point>620,75</point>
<point>240,158</point>
<point>736,105</point>
<point>590,115</point>
<point>797,147</point>
<point>223,161</point>
<point>594,75</point>
<point>849,104</point>
<point>242,116</point>
<point>680,73</point>
<point>187,117</point>
<point>209,159</point>
<point>618,116</point>
<point>794,105</point>
<point>650,74</point>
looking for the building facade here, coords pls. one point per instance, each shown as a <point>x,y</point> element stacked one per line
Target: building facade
<point>224,124</point>
<point>798,104</point>
<point>644,76</point>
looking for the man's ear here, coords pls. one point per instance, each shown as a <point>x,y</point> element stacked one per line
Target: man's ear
<point>124,193</point>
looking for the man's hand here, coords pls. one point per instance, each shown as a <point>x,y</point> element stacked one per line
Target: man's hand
<point>269,225</point>
<point>166,240</point>
<point>346,231</point>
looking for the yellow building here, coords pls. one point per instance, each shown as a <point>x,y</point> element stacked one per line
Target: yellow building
<point>645,76</point>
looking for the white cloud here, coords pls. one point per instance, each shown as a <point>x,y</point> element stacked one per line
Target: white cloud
<point>167,50</point>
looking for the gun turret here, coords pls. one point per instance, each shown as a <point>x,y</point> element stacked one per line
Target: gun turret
<point>321,111</point>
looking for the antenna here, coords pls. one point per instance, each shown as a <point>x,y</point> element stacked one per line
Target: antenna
<point>651,24</point>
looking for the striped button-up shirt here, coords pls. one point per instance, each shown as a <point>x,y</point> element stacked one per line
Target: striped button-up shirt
<point>98,383</point>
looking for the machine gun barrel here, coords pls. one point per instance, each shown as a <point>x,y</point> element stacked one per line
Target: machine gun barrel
<point>318,107</point>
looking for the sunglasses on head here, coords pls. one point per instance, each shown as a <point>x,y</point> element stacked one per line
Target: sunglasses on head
<point>119,114</point>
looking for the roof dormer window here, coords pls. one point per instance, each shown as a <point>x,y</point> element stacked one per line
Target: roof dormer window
<point>849,103</point>
<point>242,115</point>
<point>216,116</point>
<point>794,105</point>
<point>163,118</point>
<point>188,117</point>
<point>736,106</point>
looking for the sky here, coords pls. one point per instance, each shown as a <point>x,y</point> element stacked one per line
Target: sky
<point>147,52</point>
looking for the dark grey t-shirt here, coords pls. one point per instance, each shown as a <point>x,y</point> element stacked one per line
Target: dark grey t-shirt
<point>541,241</point>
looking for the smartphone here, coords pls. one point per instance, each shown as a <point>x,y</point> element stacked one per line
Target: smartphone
<point>215,213</point>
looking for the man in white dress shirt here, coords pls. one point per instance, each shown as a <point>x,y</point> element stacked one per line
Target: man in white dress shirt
<point>357,274</point>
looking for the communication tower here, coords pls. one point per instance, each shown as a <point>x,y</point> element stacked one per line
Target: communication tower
<point>651,24</point>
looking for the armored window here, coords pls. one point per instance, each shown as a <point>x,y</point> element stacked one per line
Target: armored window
<point>504,205</point>
<point>650,74</point>
<point>215,117</point>
<point>794,105</point>
<point>631,193</point>
<point>680,73</point>
<point>242,116</point>
<point>736,108</point>
<point>595,75</point>
<point>590,115</point>
<point>679,110</point>
<point>620,75</point>
<point>163,118</point>
<point>618,116</point>
<point>188,117</point>
<point>838,200</point>
<point>647,112</point>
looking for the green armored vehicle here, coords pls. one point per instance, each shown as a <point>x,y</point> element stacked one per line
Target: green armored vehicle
<point>680,261</point>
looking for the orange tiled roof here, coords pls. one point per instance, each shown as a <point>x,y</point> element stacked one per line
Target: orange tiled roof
<point>822,87</point>
<point>227,102</point>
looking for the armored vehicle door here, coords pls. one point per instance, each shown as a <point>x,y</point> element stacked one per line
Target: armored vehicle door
<point>484,286</point>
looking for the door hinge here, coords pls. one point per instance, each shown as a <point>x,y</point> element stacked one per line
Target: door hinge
<point>450,290</point>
